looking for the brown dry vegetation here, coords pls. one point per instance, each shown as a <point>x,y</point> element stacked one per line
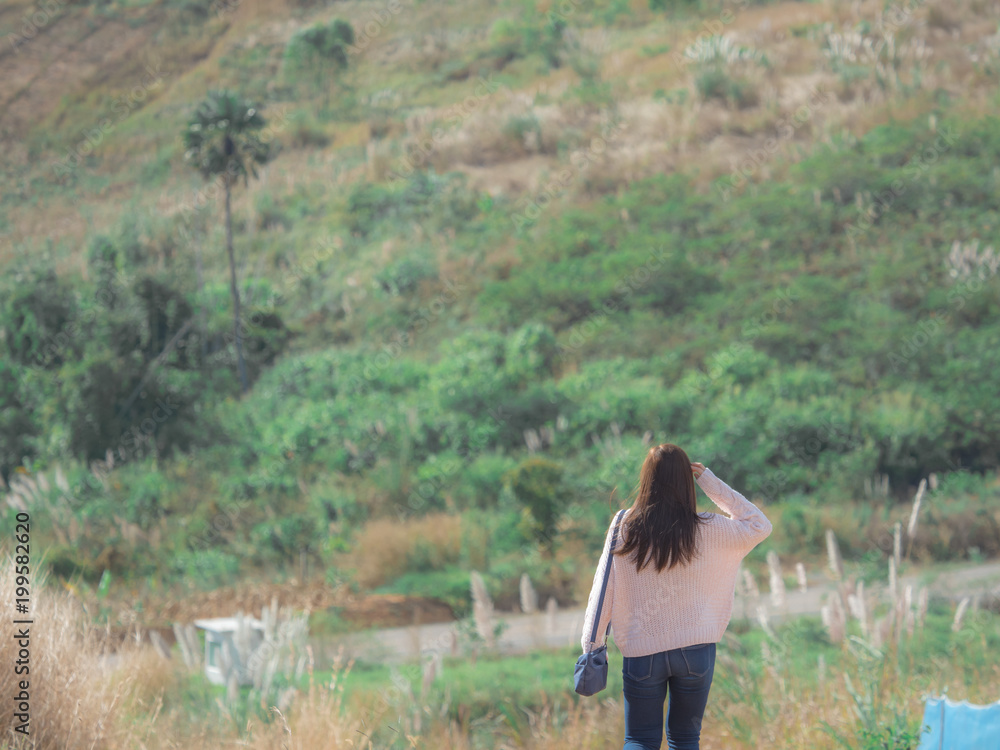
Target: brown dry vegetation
<point>387,547</point>
<point>660,136</point>
<point>76,699</point>
<point>361,610</point>
<point>81,699</point>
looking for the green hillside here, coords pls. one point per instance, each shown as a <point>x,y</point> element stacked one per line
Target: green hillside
<point>498,250</point>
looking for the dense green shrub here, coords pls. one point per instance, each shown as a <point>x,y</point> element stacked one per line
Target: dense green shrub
<point>37,309</point>
<point>450,586</point>
<point>18,423</point>
<point>284,537</point>
<point>537,484</point>
<point>800,335</point>
<point>403,276</point>
<point>206,569</point>
<point>481,481</point>
<point>439,200</point>
<point>318,51</point>
<point>716,83</point>
<point>529,34</point>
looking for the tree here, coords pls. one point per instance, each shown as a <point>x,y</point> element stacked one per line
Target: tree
<point>222,142</point>
<point>537,484</point>
<point>320,51</point>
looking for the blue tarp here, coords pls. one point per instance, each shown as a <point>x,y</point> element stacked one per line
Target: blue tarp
<point>960,726</point>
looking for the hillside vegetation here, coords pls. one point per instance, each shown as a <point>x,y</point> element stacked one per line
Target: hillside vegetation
<point>499,250</point>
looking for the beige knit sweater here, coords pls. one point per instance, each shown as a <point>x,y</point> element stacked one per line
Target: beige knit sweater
<point>652,612</point>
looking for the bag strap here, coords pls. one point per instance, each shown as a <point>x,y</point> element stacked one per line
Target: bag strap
<point>604,586</point>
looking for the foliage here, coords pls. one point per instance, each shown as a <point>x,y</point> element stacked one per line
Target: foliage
<point>403,276</point>
<point>713,83</point>
<point>221,139</point>
<point>803,335</point>
<point>37,307</point>
<point>450,585</point>
<point>537,483</point>
<point>531,33</point>
<point>321,41</point>
<point>435,199</point>
<point>318,52</point>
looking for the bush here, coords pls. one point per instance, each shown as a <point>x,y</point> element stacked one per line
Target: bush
<point>441,200</point>
<point>450,586</point>
<point>403,276</point>
<point>481,482</point>
<point>320,44</point>
<point>715,83</point>
<point>537,485</point>
<point>286,536</point>
<point>391,547</point>
<point>207,569</point>
<point>17,421</point>
<point>531,353</point>
<point>37,310</point>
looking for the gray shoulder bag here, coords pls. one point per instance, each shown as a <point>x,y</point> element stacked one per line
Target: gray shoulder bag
<point>591,673</point>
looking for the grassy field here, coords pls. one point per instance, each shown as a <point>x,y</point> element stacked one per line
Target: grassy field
<point>797,285</point>
<point>497,250</point>
<point>797,685</point>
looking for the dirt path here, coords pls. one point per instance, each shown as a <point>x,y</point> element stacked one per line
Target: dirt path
<point>524,633</point>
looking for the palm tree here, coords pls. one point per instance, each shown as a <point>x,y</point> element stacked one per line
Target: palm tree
<point>221,141</point>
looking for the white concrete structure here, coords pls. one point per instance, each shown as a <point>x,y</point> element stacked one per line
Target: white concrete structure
<point>225,639</point>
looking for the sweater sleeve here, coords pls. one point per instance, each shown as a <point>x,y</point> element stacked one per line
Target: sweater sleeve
<point>749,522</point>
<point>595,595</point>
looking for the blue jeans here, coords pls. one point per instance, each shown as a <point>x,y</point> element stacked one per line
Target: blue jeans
<point>688,672</point>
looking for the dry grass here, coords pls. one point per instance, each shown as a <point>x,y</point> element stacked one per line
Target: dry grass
<point>493,149</point>
<point>388,547</point>
<point>315,720</point>
<point>77,699</point>
<point>496,128</point>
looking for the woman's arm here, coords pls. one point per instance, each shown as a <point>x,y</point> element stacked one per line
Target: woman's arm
<point>595,595</point>
<point>751,523</point>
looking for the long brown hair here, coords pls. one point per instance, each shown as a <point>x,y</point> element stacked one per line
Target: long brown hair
<point>662,523</point>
